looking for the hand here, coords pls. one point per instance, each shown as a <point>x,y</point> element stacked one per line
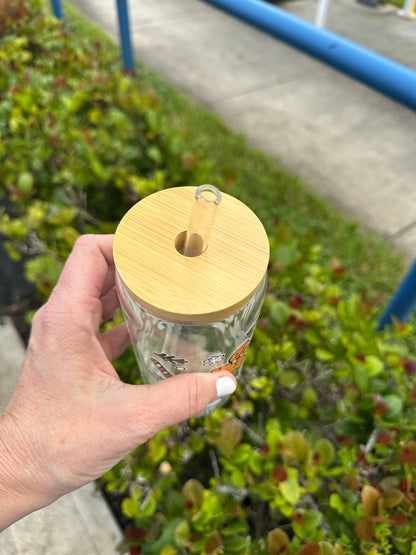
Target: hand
<point>71,418</point>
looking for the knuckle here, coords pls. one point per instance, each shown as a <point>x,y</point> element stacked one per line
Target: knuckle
<point>196,395</point>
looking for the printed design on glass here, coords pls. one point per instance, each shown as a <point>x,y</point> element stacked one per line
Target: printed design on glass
<point>177,362</point>
<point>213,359</point>
<point>236,359</point>
<point>161,368</point>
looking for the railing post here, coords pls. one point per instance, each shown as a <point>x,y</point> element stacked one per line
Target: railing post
<point>408,8</point>
<point>57,9</point>
<point>126,48</point>
<point>320,18</point>
<point>403,301</point>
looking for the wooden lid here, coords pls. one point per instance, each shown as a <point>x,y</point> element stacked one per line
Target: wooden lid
<point>190,290</point>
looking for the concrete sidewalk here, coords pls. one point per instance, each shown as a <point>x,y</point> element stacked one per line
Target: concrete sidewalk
<point>352,145</point>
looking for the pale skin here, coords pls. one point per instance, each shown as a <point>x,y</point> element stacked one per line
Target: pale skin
<point>71,418</point>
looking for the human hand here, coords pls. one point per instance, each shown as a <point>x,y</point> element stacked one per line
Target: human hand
<point>71,418</point>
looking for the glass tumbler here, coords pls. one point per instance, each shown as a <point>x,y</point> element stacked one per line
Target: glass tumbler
<point>191,275</point>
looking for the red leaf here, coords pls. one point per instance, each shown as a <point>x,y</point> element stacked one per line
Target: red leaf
<point>296,322</point>
<point>213,543</point>
<point>409,366</point>
<point>133,533</point>
<point>345,441</point>
<point>264,449</point>
<point>383,437</point>
<point>279,474</point>
<point>297,517</point>
<point>400,519</point>
<point>316,459</point>
<point>380,408</point>
<point>408,454</point>
<point>296,301</point>
<point>380,519</point>
<point>365,529</point>
<point>312,548</point>
<point>361,457</point>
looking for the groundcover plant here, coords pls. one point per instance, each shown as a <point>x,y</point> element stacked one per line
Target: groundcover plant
<point>315,452</point>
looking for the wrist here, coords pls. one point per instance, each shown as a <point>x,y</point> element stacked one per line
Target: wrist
<point>21,490</point>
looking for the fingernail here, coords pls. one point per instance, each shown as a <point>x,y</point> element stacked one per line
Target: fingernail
<point>225,386</point>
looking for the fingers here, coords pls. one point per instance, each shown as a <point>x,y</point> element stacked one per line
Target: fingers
<point>176,399</point>
<point>115,341</point>
<point>89,270</point>
<point>110,303</point>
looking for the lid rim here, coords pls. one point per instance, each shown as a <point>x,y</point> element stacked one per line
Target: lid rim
<point>224,277</point>
<point>190,319</point>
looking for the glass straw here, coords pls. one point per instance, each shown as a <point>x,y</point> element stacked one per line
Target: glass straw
<point>207,199</point>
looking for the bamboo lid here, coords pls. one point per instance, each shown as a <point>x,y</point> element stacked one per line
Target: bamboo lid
<point>190,290</point>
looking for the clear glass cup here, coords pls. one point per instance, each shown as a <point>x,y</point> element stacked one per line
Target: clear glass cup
<point>164,349</point>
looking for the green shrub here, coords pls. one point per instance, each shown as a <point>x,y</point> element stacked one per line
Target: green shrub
<point>315,453</point>
<point>80,141</point>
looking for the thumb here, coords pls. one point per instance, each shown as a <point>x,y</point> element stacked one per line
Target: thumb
<point>178,398</point>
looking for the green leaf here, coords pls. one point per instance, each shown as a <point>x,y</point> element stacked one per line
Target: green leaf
<point>196,443</point>
<point>236,527</point>
<point>282,233</point>
<point>193,493</point>
<point>256,463</point>
<point>25,182</point>
<point>279,313</point>
<point>285,255</point>
<point>236,545</point>
<point>325,450</point>
<point>313,336</point>
<point>130,507</point>
<point>336,503</point>
<point>167,550</point>
<point>361,377</point>
<point>230,436</point>
<point>182,534</point>
<point>348,428</point>
<point>288,378</point>
<point>157,450</point>
<point>237,478</point>
<point>323,354</point>
<point>242,454</point>
<point>277,541</point>
<point>374,366</point>
<point>394,406</point>
<point>154,154</point>
<point>290,490</point>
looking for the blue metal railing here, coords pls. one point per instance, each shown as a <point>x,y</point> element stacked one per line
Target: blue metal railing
<point>381,73</point>
<point>124,25</point>
<point>57,9</point>
<point>403,301</point>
